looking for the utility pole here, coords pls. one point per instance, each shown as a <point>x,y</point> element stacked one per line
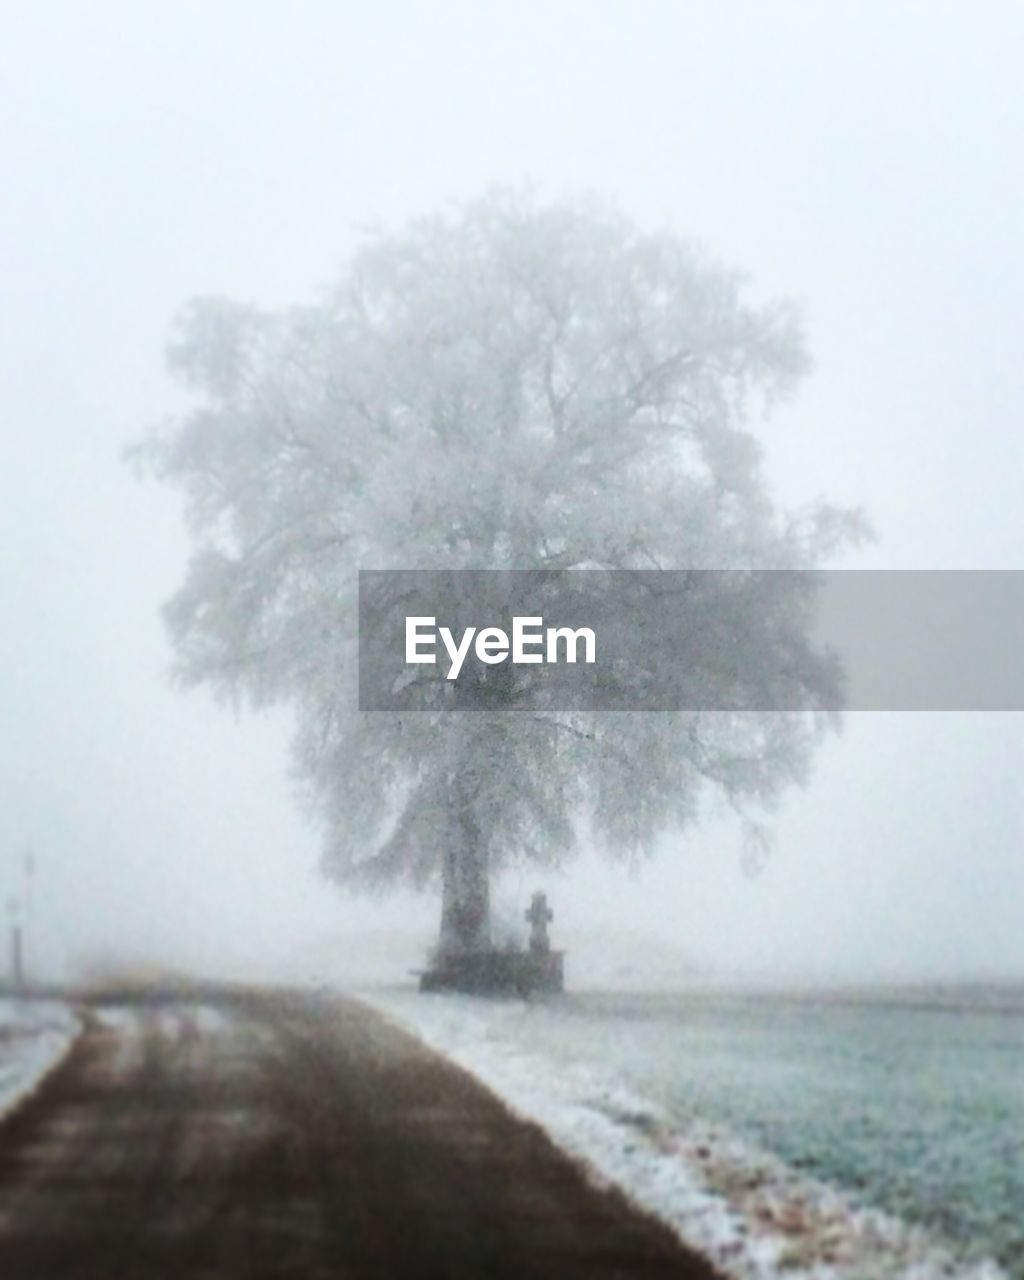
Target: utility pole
<point>17,958</point>
<point>28,938</point>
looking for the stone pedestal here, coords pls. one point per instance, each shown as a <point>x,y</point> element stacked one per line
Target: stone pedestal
<point>497,973</point>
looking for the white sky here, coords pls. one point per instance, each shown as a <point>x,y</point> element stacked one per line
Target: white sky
<point>863,158</point>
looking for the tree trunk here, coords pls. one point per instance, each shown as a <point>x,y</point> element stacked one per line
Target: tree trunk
<point>465,885</point>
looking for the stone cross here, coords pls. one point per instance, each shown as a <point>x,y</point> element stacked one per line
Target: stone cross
<point>539,917</point>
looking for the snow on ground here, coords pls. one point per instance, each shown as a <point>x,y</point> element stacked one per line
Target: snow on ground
<point>34,1037</point>
<point>745,1210</point>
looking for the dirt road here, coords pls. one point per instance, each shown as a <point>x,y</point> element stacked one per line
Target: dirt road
<point>266,1135</point>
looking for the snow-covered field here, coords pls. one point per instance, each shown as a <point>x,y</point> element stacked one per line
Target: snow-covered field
<point>34,1036</point>
<point>805,1138</point>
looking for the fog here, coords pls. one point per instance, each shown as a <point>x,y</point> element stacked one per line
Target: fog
<point>860,158</point>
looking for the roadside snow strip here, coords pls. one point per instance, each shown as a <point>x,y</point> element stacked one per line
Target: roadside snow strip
<point>746,1211</point>
<point>35,1036</point>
